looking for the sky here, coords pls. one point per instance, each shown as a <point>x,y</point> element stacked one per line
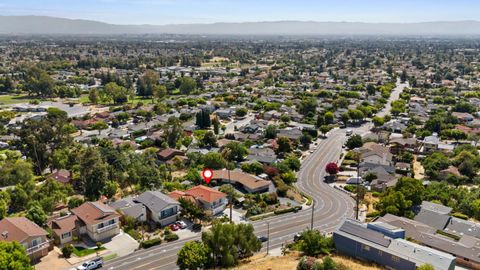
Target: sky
<point>210,11</point>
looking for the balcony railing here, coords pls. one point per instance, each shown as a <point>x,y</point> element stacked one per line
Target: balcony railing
<point>38,247</point>
<point>107,228</point>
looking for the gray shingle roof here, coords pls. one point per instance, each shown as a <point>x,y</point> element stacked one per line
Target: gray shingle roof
<point>155,200</point>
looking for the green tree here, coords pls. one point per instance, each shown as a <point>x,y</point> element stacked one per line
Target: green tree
<point>36,214</point>
<point>209,139</point>
<point>313,243</point>
<point>271,132</point>
<point>235,151</point>
<point>100,125</point>
<point>240,112</point>
<point>192,256</point>
<point>354,141</point>
<point>15,171</point>
<point>93,96</point>
<point>187,85</point>
<point>214,161</point>
<point>67,250</point>
<point>93,173</point>
<point>227,243</point>
<point>216,125</point>
<point>378,121</point>
<point>284,145</point>
<point>308,106</point>
<point>38,82</point>
<point>203,119</point>
<point>13,256</point>
<point>329,118</point>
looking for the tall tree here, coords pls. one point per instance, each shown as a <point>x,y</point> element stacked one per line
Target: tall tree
<point>13,256</point>
<point>93,173</point>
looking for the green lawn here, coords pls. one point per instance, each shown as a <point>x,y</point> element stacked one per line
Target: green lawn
<point>12,99</point>
<point>81,251</point>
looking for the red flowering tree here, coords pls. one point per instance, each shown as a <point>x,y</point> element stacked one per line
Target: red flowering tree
<point>332,168</point>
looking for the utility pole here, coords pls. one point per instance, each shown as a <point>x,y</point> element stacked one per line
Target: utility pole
<point>358,187</point>
<point>231,195</point>
<point>313,210</point>
<point>268,236</point>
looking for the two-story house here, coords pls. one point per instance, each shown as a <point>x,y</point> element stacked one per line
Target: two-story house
<point>99,221</point>
<point>211,200</point>
<point>28,234</point>
<point>161,209</point>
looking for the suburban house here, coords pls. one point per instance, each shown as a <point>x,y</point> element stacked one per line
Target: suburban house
<point>244,181</point>
<point>458,237</point>
<point>65,228</point>
<point>384,244</point>
<point>97,220</point>
<point>210,200</point>
<point>168,154</point>
<point>62,176</point>
<point>161,209</point>
<point>376,154</point>
<point>129,207</point>
<point>28,234</point>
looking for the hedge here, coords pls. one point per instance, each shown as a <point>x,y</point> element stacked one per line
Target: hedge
<point>171,237</point>
<point>460,215</point>
<point>287,210</point>
<point>151,243</point>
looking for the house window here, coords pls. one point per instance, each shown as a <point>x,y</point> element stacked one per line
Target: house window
<point>112,221</point>
<point>35,242</point>
<point>66,235</point>
<point>99,226</point>
<point>168,212</point>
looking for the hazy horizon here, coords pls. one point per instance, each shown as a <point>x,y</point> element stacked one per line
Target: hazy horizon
<point>165,12</point>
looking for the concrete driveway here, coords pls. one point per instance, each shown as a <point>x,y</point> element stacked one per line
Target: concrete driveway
<point>122,244</point>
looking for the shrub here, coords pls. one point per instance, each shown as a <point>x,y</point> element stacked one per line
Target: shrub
<point>151,243</point>
<point>67,250</point>
<point>171,237</point>
<point>460,215</point>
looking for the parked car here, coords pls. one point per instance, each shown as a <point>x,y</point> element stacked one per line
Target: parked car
<point>349,132</point>
<point>181,224</point>
<point>93,264</point>
<point>297,237</point>
<point>174,227</point>
<point>262,238</point>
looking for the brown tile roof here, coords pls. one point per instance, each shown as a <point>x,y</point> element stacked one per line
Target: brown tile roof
<point>62,176</point>
<point>169,153</point>
<point>205,193</point>
<point>177,194</point>
<point>245,179</point>
<point>19,229</point>
<point>94,212</point>
<point>65,224</point>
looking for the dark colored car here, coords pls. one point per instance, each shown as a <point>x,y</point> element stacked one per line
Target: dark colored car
<point>262,239</point>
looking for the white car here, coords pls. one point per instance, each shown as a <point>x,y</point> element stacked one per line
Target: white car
<point>182,224</point>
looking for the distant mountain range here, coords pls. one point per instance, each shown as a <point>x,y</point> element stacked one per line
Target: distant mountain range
<point>52,25</point>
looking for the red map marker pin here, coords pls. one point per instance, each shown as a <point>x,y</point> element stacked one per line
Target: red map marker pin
<point>207,175</point>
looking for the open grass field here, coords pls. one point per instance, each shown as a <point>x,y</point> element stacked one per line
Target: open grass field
<point>13,99</point>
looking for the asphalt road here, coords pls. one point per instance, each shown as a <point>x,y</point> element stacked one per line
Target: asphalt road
<point>331,206</point>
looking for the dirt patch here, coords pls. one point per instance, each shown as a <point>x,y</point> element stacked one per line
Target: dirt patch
<point>418,169</point>
<point>290,262</point>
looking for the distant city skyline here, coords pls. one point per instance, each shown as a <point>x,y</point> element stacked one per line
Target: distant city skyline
<point>210,11</point>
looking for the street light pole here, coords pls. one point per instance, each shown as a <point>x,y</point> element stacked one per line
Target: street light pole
<point>358,188</point>
<point>230,196</point>
<point>268,237</point>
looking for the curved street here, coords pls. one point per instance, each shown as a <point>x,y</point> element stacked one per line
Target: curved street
<point>331,205</point>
